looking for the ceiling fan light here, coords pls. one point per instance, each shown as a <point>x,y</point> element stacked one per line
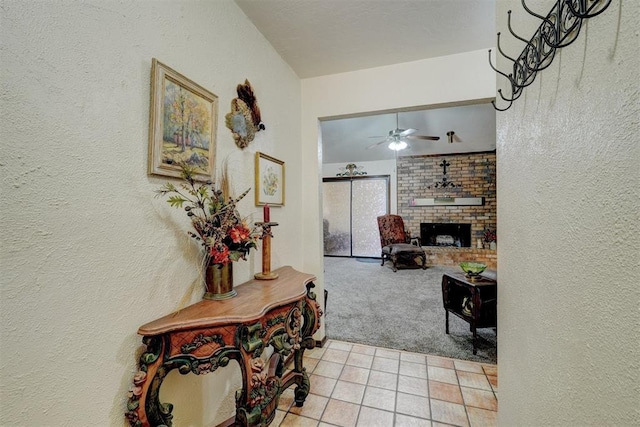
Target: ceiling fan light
<point>397,145</point>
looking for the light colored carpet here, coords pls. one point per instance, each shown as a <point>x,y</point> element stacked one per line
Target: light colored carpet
<point>372,305</point>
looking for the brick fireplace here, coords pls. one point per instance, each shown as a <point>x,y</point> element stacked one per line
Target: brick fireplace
<point>475,173</point>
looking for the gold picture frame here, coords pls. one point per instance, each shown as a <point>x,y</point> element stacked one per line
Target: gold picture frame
<point>269,180</point>
<point>182,124</point>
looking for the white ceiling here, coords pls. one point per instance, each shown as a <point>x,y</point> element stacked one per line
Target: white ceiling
<point>320,37</point>
<point>347,140</point>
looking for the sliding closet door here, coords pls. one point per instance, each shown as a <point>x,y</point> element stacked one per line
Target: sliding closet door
<point>350,209</point>
<point>369,199</point>
<point>336,208</point>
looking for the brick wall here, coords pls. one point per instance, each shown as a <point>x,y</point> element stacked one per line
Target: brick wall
<point>476,173</point>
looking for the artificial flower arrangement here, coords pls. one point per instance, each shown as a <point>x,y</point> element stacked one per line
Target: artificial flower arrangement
<point>218,226</point>
<point>490,235</point>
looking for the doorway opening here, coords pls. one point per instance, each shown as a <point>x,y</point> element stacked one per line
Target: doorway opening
<point>399,298</point>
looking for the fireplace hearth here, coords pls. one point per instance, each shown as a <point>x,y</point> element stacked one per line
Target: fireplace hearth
<point>445,234</point>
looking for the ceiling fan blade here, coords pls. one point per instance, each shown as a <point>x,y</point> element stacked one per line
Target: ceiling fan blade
<point>429,138</point>
<point>405,132</point>
<point>376,144</point>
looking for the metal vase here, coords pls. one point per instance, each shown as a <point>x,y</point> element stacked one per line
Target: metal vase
<point>219,281</point>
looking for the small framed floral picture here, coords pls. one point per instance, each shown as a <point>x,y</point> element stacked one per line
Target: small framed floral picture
<point>269,180</point>
<point>182,128</point>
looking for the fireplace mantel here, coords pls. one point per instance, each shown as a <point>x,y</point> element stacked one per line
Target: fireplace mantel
<point>448,201</point>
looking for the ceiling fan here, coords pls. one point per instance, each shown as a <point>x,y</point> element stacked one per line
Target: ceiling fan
<point>452,137</point>
<point>397,138</point>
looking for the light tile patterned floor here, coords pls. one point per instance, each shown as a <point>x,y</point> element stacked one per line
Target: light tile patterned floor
<point>354,385</point>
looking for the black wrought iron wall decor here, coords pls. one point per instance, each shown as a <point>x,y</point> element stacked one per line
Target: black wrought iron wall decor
<point>558,29</point>
<point>445,183</point>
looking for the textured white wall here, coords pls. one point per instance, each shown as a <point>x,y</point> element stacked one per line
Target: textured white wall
<point>568,210</point>
<point>447,79</point>
<point>88,255</point>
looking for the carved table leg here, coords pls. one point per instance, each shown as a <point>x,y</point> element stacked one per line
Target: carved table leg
<point>259,389</point>
<point>301,378</point>
<point>310,314</point>
<point>144,407</point>
<point>302,391</point>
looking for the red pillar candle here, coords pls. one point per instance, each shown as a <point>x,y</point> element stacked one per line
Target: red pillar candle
<point>265,213</point>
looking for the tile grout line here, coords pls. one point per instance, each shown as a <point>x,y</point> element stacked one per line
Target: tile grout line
<point>335,385</point>
<point>338,379</point>
<point>426,361</point>
<point>365,387</point>
<point>464,402</point>
<point>397,390</point>
<point>323,410</point>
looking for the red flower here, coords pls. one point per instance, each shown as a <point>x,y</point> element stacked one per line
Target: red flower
<point>220,256</point>
<point>239,233</point>
<point>490,235</point>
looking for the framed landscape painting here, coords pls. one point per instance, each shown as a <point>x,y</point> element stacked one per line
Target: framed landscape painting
<point>182,124</point>
<point>269,180</point>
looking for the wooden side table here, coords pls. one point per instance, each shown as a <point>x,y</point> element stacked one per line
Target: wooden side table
<point>207,335</point>
<point>481,292</point>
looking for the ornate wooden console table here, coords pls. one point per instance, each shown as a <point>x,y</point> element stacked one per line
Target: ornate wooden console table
<point>282,313</point>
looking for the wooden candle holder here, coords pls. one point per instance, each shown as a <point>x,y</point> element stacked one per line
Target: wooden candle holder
<point>266,273</point>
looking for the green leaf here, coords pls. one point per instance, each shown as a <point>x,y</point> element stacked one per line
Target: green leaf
<point>235,255</point>
<point>187,171</point>
<point>203,191</point>
<point>176,201</point>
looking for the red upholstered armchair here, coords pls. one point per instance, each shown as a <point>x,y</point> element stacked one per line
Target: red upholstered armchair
<point>395,242</point>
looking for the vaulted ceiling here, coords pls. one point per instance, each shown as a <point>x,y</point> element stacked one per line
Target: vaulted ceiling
<point>320,37</point>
